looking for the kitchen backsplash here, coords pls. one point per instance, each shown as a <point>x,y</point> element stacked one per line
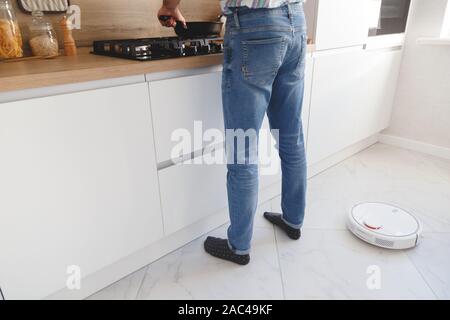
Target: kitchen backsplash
<point>119,19</point>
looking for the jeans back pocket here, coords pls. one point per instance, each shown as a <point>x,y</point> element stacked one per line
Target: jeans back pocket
<point>261,59</point>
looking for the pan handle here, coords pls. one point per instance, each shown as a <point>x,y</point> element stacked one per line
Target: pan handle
<point>166,18</point>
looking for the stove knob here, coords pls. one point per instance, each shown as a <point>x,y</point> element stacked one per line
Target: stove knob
<point>191,51</point>
<point>216,48</point>
<point>205,49</point>
<point>178,50</point>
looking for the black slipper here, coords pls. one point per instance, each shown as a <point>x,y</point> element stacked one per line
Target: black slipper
<point>219,248</point>
<point>275,218</point>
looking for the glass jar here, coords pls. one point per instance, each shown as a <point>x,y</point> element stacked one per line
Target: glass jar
<point>11,45</point>
<point>43,41</point>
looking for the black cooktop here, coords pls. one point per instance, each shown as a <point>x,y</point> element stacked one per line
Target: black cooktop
<point>158,48</point>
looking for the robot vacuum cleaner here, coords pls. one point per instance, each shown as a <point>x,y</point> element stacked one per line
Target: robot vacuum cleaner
<point>384,225</point>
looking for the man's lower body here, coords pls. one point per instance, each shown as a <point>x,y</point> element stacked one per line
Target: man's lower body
<point>263,73</point>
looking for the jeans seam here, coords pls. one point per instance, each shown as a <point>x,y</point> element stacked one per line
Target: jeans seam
<point>282,49</point>
<point>299,67</point>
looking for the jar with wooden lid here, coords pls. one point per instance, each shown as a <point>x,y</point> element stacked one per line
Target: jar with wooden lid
<point>11,45</point>
<point>43,41</point>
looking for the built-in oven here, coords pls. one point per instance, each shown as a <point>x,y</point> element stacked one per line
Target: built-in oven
<point>392,16</point>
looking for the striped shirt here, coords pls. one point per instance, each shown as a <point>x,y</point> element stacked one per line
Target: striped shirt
<point>254,4</point>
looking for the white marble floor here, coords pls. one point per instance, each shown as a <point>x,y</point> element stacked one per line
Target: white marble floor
<point>328,262</point>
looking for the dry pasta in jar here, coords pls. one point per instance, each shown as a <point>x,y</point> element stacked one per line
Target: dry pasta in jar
<point>10,37</point>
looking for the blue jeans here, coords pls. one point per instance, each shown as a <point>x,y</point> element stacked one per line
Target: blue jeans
<point>263,72</point>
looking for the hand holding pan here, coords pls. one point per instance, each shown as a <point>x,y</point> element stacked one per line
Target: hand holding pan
<point>195,29</point>
<point>170,21</point>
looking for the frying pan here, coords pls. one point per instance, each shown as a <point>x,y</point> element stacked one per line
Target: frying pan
<point>196,29</point>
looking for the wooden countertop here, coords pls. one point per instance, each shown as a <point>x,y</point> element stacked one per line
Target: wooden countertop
<point>87,67</point>
<point>30,74</point>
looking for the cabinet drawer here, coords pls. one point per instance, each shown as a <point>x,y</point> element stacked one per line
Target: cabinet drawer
<point>190,192</point>
<point>179,103</point>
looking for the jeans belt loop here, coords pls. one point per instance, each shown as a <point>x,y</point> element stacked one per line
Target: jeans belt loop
<point>236,19</point>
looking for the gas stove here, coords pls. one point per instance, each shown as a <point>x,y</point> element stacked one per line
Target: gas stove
<point>158,48</point>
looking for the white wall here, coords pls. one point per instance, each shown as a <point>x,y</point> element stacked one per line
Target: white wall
<point>422,104</point>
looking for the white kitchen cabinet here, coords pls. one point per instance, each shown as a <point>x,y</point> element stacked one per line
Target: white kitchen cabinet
<point>352,97</point>
<point>178,104</point>
<point>78,186</point>
<point>336,96</point>
<point>191,192</point>
<point>383,72</point>
<point>341,23</point>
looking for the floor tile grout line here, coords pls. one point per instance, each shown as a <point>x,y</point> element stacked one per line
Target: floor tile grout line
<point>422,276</point>
<point>160,258</point>
<point>148,265</point>
<point>278,248</point>
<point>342,161</point>
<point>142,282</point>
<point>114,283</point>
<point>279,263</point>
